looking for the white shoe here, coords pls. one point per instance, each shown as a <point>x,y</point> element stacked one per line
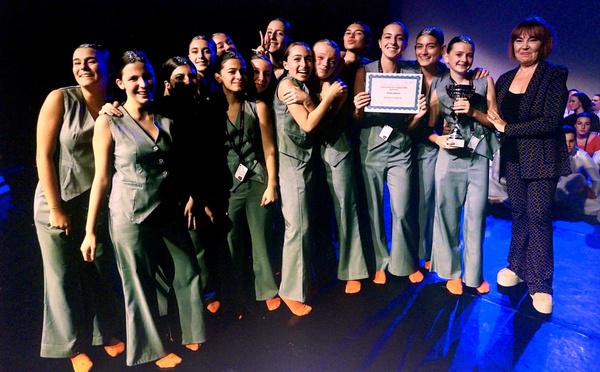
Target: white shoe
<point>507,278</point>
<point>542,302</point>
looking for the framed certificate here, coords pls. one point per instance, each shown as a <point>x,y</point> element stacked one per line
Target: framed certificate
<point>394,93</point>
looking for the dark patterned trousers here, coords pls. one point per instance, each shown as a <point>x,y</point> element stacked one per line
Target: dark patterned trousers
<point>531,254</point>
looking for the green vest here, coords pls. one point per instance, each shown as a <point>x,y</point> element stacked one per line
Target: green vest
<point>376,121</point>
<point>244,146</point>
<point>141,179</point>
<point>291,139</point>
<point>74,155</point>
<point>469,127</point>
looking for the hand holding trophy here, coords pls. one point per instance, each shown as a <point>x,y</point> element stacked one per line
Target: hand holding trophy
<point>458,92</point>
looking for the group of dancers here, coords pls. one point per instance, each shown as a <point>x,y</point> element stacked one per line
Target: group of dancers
<point>197,159</point>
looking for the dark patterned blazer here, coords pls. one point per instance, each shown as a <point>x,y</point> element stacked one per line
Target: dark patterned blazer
<point>538,138</point>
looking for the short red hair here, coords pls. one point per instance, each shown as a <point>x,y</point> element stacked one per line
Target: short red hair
<point>533,26</point>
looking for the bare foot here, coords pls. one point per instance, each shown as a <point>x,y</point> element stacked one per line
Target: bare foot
<point>427,265</point>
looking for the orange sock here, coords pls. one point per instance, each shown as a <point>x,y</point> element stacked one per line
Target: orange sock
<point>168,361</point>
<point>296,307</point>
<point>379,277</point>
<point>352,286</point>
<point>81,362</point>
<point>416,277</point>
<point>427,265</point>
<point>115,348</point>
<point>193,346</point>
<point>454,286</point>
<point>213,306</point>
<point>273,303</point>
<point>483,288</point>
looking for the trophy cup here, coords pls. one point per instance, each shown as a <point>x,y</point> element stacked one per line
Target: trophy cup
<point>458,91</point>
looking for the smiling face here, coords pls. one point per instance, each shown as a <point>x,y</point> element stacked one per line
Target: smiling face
<point>200,54</point>
<point>460,58</point>
<point>90,67</point>
<point>354,38</point>
<point>583,126</point>
<point>262,74</point>
<point>223,43</point>
<point>137,80</point>
<point>326,60</point>
<point>393,41</point>
<point>276,37</point>
<point>232,75</point>
<point>527,49</point>
<point>299,62</point>
<point>427,50</point>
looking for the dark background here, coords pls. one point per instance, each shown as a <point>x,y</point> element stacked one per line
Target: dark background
<point>37,39</point>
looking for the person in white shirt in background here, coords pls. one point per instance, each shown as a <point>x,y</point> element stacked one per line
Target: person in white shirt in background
<point>574,195</point>
<point>596,104</point>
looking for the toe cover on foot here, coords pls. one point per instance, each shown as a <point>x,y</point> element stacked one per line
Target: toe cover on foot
<point>483,288</point>
<point>213,307</point>
<point>454,286</point>
<point>416,277</point>
<point>168,361</point>
<point>194,346</point>
<point>352,286</point>
<point>379,277</point>
<point>296,307</point>
<point>114,350</point>
<point>81,363</point>
<point>273,303</point>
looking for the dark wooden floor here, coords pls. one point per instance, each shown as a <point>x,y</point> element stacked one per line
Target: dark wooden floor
<point>395,327</point>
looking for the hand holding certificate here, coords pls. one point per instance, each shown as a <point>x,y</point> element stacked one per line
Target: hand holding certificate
<point>393,93</point>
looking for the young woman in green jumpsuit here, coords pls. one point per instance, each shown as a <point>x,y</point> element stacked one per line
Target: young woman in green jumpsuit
<point>294,125</point>
<point>461,173</point>
<point>144,220</point>
<point>251,178</point>
<point>389,159</point>
<point>65,164</point>
<point>336,156</point>
<point>429,47</point>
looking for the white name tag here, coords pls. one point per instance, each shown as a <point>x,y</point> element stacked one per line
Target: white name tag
<point>240,173</point>
<point>473,142</point>
<point>455,142</point>
<point>385,132</point>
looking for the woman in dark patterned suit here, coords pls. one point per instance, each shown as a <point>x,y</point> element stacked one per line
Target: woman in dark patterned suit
<point>531,99</point>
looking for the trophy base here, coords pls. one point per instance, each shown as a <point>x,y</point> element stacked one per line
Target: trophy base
<point>455,142</point>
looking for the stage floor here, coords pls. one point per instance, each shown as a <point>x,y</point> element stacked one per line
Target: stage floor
<point>395,327</point>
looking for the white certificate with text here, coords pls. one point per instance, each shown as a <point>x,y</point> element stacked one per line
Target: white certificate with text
<point>394,93</point>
